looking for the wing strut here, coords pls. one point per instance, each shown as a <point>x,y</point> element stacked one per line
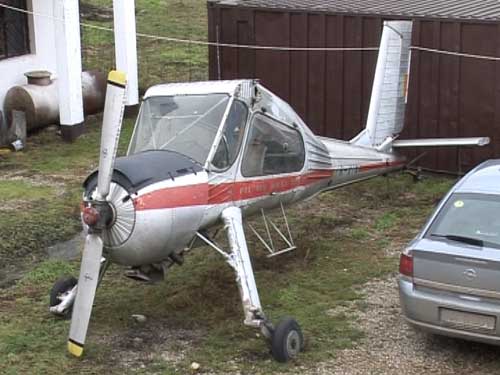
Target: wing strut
<point>269,244</point>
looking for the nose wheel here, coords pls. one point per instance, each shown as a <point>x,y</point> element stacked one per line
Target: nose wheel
<point>61,291</point>
<point>287,340</point>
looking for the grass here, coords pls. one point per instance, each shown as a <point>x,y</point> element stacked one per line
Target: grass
<point>196,315</point>
<point>40,191</point>
<point>159,60</point>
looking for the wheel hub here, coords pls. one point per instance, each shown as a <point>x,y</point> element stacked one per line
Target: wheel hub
<point>293,343</point>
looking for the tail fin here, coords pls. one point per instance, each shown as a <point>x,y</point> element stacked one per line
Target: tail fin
<point>390,87</point>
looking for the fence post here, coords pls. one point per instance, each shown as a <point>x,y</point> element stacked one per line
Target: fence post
<point>69,67</point>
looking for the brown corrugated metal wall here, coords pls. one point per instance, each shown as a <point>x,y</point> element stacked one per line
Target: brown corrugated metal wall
<point>449,96</point>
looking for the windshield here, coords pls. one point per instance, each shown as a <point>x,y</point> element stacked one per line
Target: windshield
<point>469,218</point>
<point>185,124</point>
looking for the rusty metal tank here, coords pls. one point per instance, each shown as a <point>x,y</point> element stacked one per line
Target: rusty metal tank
<point>39,98</point>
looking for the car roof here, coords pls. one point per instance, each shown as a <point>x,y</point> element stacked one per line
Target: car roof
<point>485,178</point>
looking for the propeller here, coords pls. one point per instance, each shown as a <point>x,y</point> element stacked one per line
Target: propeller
<point>98,214</point>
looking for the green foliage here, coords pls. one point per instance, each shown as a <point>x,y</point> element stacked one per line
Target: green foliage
<point>359,234</point>
<point>22,190</point>
<point>387,221</point>
<point>159,60</point>
<point>46,272</point>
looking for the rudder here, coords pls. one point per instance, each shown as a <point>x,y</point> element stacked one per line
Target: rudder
<point>390,87</point>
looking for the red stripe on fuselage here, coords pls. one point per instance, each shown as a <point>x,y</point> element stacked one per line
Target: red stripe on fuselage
<point>202,194</point>
<point>179,196</point>
<point>388,164</point>
<point>242,190</point>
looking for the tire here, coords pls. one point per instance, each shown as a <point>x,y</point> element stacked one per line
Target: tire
<point>287,341</point>
<point>62,286</point>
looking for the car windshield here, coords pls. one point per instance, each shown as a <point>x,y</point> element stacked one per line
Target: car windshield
<point>185,124</point>
<point>469,218</point>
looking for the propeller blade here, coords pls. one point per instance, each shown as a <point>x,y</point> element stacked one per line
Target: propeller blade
<point>87,285</point>
<point>111,126</point>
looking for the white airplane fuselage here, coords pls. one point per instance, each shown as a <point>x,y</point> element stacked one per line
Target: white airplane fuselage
<point>163,217</point>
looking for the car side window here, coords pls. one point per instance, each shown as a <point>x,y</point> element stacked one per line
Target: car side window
<point>272,148</point>
<point>232,136</point>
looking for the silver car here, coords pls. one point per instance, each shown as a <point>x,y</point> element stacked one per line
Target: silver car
<point>449,280</point>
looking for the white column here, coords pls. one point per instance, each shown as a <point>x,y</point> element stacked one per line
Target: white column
<point>69,61</point>
<point>126,46</point>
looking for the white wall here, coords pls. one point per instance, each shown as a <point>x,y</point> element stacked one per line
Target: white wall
<point>43,53</point>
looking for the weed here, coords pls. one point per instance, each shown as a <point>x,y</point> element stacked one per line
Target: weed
<point>386,221</point>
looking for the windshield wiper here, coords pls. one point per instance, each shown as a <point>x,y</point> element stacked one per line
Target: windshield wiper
<point>467,240</point>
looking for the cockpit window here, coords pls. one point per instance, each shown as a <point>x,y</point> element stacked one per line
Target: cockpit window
<point>185,124</point>
<point>272,148</point>
<point>232,136</point>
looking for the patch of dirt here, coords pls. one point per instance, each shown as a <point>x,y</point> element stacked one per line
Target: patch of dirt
<point>15,205</point>
<point>143,343</point>
<point>68,250</point>
<point>55,183</point>
<point>10,274</point>
<point>392,347</point>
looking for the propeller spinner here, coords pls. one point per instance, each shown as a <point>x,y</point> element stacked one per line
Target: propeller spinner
<point>98,214</point>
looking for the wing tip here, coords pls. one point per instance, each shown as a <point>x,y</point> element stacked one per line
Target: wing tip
<point>75,349</point>
<point>484,141</point>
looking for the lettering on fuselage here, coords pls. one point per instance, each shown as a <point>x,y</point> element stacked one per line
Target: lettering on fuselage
<point>253,189</point>
<point>347,171</point>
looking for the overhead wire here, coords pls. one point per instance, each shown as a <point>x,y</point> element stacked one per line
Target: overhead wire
<point>453,53</point>
<point>256,47</point>
<point>199,42</point>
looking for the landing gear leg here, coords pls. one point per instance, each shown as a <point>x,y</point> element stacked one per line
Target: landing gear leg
<point>63,293</point>
<point>416,174</point>
<point>286,338</point>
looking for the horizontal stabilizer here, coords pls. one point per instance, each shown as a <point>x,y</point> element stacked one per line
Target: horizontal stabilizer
<point>440,142</point>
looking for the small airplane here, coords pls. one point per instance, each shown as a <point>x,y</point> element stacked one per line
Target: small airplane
<point>210,153</point>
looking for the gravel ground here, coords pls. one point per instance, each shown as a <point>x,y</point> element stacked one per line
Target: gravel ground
<point>392,347</point>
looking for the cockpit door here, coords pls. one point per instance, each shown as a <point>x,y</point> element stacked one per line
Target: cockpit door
<point>272,162</point>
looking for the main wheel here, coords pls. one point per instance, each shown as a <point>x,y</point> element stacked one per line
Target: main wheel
<point>60,290</point>
<point>287,340</point>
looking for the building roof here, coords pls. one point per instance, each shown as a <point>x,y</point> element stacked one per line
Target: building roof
<point>455,9</point>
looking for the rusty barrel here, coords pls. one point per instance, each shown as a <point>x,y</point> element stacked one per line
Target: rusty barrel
<point>39,98</point>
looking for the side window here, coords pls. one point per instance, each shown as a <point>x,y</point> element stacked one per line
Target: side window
<point>234,129</point>
<point>272,148</point>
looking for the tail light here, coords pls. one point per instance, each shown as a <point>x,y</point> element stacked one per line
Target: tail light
<point>406,265</point>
